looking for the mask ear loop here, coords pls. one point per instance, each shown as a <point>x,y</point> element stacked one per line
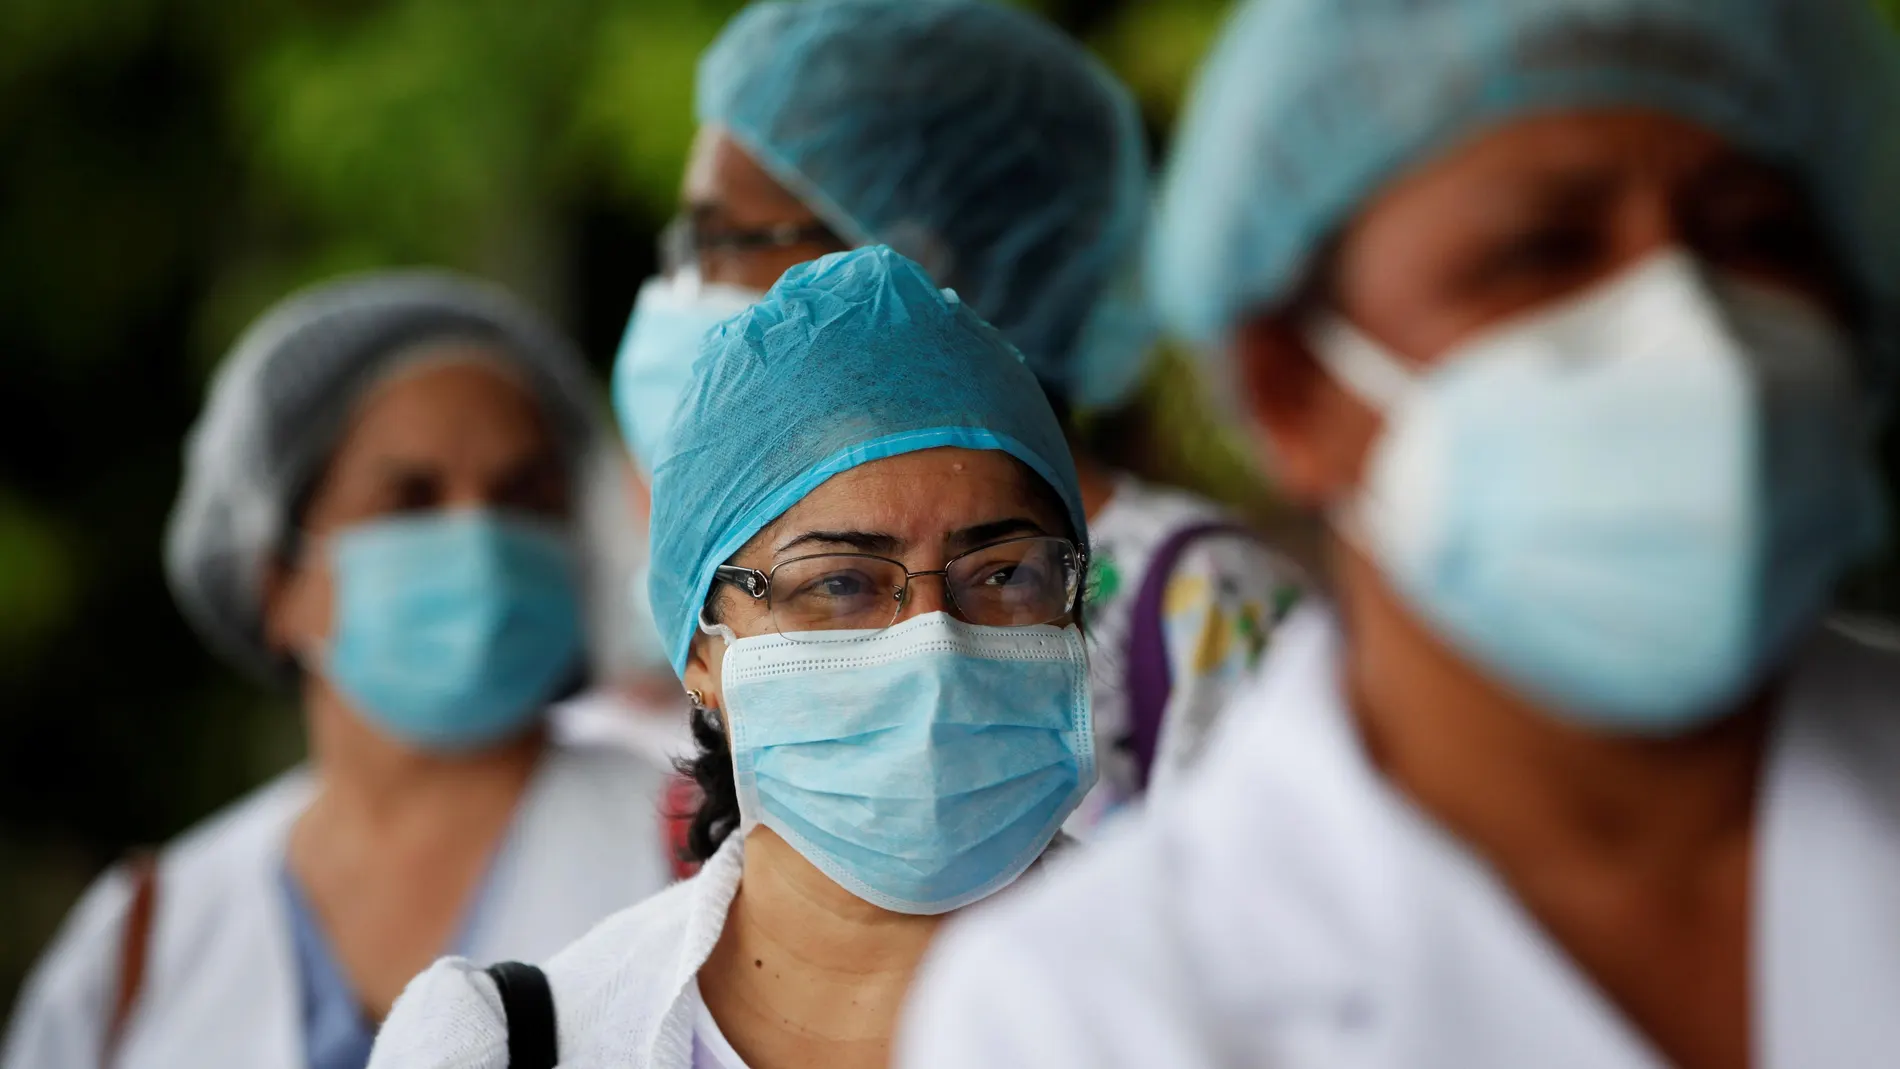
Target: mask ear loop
<point>1365,368</point>
<point>707,627</point>
<point>1370,372</point>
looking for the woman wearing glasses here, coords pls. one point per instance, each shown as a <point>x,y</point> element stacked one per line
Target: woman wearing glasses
<point>990,148</point>
<point>866,574</point>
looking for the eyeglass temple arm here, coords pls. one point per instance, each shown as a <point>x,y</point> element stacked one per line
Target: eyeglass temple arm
<point>751,580</point>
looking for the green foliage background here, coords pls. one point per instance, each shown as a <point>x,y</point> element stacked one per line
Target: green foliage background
<point>170,167</point>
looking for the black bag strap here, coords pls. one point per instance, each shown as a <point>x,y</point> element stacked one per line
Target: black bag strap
<point>528,1005</point>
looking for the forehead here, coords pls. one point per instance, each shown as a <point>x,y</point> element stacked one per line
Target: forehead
<point>1556,146</point>
<point>923,495</point>
<point>460,396</point>
<point>720,172</point>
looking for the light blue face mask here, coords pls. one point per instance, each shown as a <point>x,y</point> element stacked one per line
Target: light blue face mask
<point>1629,506</point>
<point>655,362</point>
<point>922,767</point>
<point>453,629</point>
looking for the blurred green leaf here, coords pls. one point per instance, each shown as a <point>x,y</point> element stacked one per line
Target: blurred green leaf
<point>38,591</point>
<point>1156,47</point>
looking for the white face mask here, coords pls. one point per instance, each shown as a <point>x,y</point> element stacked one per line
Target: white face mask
<point>1627,505</point>
<point>670,317</point>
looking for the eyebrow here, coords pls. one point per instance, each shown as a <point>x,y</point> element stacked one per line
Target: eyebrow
<point>984,533</point>
<point>882,544</point>
<point>861,541</point>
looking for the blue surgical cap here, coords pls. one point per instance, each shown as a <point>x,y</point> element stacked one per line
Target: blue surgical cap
<point>1307,107</point>
<point>976,139</point>
<point>849,359</point>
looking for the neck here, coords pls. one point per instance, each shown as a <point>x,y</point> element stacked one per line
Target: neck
<point>1529,790</point>
<point>372,787</point>
<point>806,972</point>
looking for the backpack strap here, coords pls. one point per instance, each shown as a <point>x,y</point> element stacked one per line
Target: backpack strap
<point>528,1006</point>
<point>1148,678</point>
<point>135,942</point>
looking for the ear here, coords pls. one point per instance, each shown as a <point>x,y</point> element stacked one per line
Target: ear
<point>297,605</point>
<point>704,660</point>
<point>1281,386</point>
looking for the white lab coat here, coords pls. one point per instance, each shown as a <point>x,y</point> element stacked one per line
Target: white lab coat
<point>221,988</point>
<point>1290,909</point>
<point>625,996</point>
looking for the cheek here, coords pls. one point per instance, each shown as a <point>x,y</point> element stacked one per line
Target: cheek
<point>1352,430</point>
<point>306,608</point>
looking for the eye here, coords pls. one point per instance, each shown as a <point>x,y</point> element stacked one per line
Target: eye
<point>1019,574</point>
<point>837,585</point>
<point>1550,250</point>
<point>415,491</point>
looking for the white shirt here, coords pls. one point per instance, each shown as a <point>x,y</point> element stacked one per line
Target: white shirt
<point>1290,909</point>
<point>221,989</point>
<point>710,1048</point>
<point>626,995</point>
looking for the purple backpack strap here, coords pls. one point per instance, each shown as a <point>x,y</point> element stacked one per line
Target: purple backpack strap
<point>1148,678</point>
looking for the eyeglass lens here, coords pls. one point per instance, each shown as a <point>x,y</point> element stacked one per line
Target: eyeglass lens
<point>1017,583</point>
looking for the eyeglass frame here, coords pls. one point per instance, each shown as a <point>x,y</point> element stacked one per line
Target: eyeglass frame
<point>681,242</point>
<point>757,584</point>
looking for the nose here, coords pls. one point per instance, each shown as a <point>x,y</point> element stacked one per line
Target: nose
<point>926,593</point>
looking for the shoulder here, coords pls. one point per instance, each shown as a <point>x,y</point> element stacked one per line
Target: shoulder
<point>256,822</point>
<point>646,938</point>
<point>603,769</point>
<point>1066,972</point>
<point>612,989</point>
<point>1845,691</point>
<point>67,997</point>
<point>594,812</point>
<point>450,1015</point>
<point>62,1009</point>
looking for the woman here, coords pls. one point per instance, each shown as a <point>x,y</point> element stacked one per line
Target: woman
<point>865,568</point>
<point>988,147</point>
<point>1573,330</point>
<point>378,513</point>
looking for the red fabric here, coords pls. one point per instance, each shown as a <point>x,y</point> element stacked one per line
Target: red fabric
<point>676,816</point>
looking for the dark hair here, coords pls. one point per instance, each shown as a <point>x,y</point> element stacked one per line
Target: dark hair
<point>710,767</point>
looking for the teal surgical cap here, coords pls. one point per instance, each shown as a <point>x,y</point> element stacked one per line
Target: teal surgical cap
<point>849,359</point>
<point>977,140</point>
<point>1307,107</point>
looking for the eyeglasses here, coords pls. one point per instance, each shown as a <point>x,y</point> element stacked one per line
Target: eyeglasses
<point>685,242</point>
<point>1019,582</point>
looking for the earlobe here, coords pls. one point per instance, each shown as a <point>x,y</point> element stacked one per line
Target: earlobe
<point>704,659</point>
<point>1280,383</point>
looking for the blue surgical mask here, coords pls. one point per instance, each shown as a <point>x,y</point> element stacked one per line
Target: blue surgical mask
<point>922,767</point>
<point>1628,506</point>
<point>453,629</point>
<point>670,317</point>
